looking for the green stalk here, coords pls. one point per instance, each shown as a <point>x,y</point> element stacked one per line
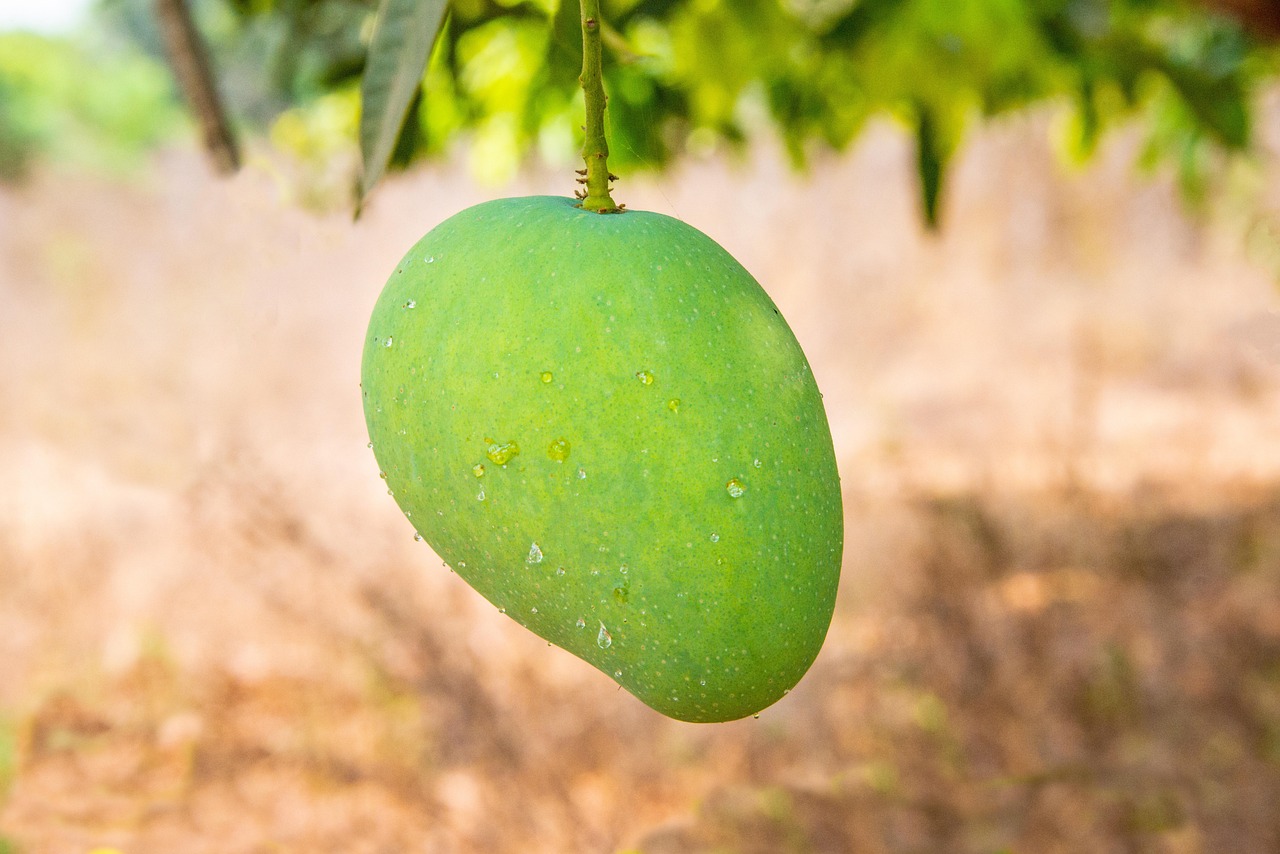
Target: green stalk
<point>595,148</point>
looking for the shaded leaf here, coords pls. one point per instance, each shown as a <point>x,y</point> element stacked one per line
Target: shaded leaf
<point>862,19</point>
<point>931,159</point>
<point>398,54</point>
<point>1220,105</point>
<point>1089,122</point>
<point>410,131</point>
<point>564,45</point>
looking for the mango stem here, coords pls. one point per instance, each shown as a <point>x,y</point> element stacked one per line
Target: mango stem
<point>595,148</point>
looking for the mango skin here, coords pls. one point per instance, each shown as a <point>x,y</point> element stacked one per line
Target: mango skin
<point>673,513</point>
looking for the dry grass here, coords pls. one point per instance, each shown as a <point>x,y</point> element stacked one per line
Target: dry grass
<point>1059,624</point>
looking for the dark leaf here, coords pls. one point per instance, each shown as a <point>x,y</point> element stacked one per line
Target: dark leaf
<point>931,158</point>
<point>1219,104</point>
<point>398,54</point>
<point>410,131</point>
<point>861,20</point>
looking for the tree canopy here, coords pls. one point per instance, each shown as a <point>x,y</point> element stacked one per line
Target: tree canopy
<point>694,75</point>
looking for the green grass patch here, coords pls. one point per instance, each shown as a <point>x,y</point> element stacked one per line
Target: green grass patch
<point>8,760</point>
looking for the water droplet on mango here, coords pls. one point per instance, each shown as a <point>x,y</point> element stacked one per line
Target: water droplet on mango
<point>501,453</point>
<point>558,450</point>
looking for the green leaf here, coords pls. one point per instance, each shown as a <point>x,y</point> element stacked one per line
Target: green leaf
<point>1220,105</point>
<point>402,41</point>
<point>1087,102</point>
<point>862,19</point>
<point>931,158</point>
<point>564,45</point>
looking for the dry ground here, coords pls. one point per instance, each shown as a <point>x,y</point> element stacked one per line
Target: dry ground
<point>1059,624</point>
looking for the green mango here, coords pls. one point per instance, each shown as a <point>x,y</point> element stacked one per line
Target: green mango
<point>604,425</point>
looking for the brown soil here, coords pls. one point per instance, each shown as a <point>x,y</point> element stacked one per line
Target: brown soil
<point>1058,425</point>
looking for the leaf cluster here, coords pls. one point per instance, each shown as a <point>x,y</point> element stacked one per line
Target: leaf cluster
<point>698,74</point>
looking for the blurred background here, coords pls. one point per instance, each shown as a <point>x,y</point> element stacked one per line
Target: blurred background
<point>1032,250</point>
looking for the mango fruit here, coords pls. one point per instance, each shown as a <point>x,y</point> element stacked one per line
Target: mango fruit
<point>604,425</point>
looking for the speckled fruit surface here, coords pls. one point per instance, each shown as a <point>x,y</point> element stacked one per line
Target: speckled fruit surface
<point>604,425</point>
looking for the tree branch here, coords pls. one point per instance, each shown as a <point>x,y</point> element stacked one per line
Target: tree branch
<point>190,62</point>
<point>1260,17</point>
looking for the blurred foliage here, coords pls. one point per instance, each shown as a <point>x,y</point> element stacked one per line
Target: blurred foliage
<point>8,759</point>
<point>92,103</point>
<point>704,75</point>
<point>8,766</point>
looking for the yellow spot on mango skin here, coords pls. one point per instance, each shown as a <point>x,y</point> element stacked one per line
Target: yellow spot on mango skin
<point>546,376</point>
<point>645,377</point>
